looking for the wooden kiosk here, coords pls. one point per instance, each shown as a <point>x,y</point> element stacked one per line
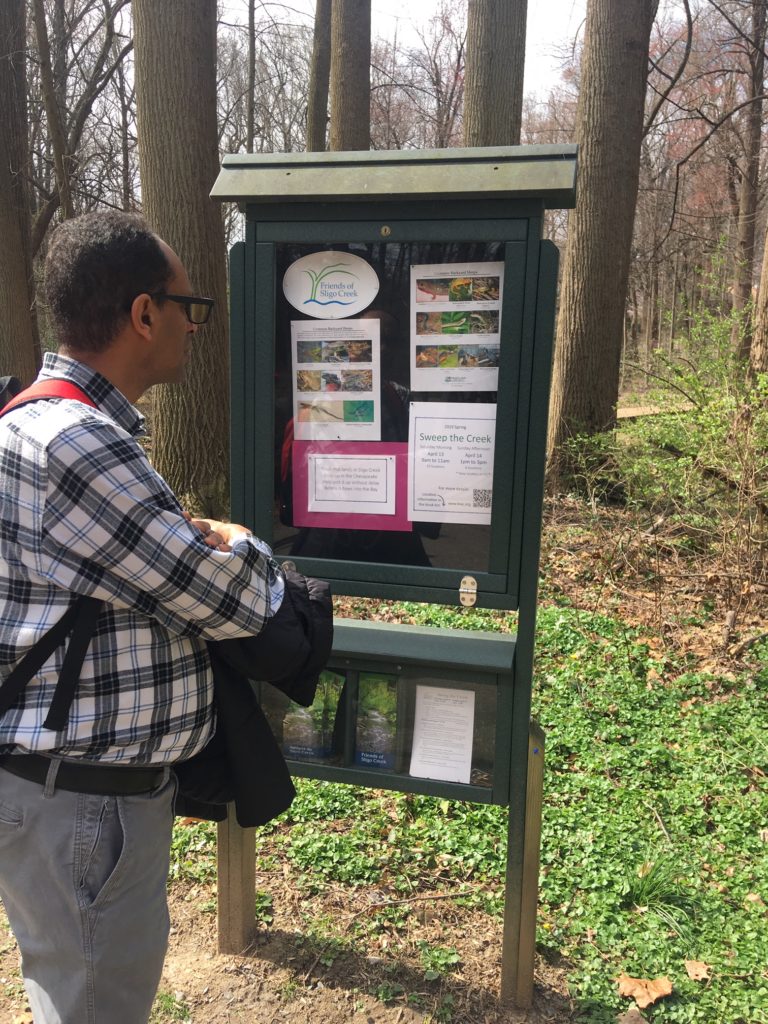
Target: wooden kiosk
<point>392,318</point>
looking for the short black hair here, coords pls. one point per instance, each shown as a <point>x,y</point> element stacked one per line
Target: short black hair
<point>96,266</point>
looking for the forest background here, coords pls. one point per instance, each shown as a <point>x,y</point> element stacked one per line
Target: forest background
<point>656,521</point>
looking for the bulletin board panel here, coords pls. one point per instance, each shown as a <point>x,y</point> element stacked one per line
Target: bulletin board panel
<point>399,431</point>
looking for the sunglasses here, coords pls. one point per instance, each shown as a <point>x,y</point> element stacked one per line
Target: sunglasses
<point>196,308</point>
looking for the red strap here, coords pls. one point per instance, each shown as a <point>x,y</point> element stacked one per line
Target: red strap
<point>53,388</point>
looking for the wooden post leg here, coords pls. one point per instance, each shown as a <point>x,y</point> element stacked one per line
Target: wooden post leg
<point>236,868</point>
<point>520,923</point>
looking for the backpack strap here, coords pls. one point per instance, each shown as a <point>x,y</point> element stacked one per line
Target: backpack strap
<point>79,619</point>
<point>53,388</point>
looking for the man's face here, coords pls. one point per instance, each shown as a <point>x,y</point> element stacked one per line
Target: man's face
<point>173,333</point>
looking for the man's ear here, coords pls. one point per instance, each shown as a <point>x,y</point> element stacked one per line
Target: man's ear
<point>142,314</point>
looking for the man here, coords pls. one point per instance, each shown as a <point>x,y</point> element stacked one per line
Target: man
<point>86,811</point>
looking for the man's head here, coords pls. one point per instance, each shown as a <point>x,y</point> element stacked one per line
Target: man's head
<point>96,266</point>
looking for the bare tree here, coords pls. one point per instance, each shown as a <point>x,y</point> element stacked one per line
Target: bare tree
<point>179,162</point>
<point>418,92</point>
<point>596,268</point>
<point>350,84</point>
<point>19,344</point>
<point>77,59</point>
<point>493,94</point>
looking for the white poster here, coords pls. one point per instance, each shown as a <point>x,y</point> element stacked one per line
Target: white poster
<point>455,326</point>
<point>336,380</point>
<point>442,734</point>
<point>450,461</point>
<point>351,484</point>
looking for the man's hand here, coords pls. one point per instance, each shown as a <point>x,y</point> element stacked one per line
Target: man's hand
<point>219,536</point>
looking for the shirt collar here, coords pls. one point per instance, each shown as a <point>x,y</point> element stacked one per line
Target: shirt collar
<point>104,394</point>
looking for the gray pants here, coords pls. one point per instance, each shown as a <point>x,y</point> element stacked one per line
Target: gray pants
<point>83,880</point>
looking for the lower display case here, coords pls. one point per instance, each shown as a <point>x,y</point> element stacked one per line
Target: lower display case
<point>415,709</point>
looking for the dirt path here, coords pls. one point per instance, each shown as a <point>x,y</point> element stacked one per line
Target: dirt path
<point>292,978</point>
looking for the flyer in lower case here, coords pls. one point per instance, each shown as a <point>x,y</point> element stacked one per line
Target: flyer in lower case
<point>336,380</point>
<point>450,461</point>
<point>443,729</point>
<point>455,326</point>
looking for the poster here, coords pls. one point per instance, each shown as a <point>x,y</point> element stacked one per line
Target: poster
<point>350,485</point>
<point>455,326</point>
<point>336,380</point>
<point>442,734</point>
<point>450,461</point>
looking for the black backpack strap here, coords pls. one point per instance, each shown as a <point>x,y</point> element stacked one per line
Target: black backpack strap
<point>80,620</point>
<point>88,609</point>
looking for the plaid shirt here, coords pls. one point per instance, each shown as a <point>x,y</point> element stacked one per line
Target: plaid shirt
<point>83,512</point>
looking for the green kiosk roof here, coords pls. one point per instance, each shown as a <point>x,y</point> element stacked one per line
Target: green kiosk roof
<point>510,172</point>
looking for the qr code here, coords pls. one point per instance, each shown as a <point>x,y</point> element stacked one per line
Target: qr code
<point>481,498</point>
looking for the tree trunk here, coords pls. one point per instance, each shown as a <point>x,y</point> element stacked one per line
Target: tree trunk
<point>749,191</point>
<point>19,343</point>
<point>179,161</point>
<point>609,124</point>
<point>493,90</point>
<point>758,353</point>
<point>351,74</point>
<point>319,76</point>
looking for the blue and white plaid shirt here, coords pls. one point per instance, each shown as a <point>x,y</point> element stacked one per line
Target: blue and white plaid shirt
<point>83,512</point>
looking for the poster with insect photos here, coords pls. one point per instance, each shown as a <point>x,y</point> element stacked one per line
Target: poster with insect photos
<point>455,326</point>
<point>336,380</point>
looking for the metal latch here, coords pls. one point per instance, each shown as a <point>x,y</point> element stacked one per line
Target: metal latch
<point>468,591</point>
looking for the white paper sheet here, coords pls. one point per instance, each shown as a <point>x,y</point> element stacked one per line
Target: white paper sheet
<point>442,734</point>
<point>336,380</point>
<point>450,461</point>
<point>455,326</point>
<point>352,484</point>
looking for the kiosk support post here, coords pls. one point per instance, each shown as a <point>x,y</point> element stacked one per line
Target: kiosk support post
<point>236,869</point>
<point>521,895</point>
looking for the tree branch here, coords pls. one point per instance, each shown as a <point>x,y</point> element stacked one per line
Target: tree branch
<point>681,67</point>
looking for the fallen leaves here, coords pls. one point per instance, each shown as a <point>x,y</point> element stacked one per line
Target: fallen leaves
<point>697,970</point>
<point>645,991</point>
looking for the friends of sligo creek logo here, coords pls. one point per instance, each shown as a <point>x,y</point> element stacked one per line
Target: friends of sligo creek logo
<point>330,285</point>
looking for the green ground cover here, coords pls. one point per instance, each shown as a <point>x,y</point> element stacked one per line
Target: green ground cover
<point>655,833</point>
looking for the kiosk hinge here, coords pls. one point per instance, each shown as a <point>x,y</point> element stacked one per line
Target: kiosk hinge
<point>468,591</point>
